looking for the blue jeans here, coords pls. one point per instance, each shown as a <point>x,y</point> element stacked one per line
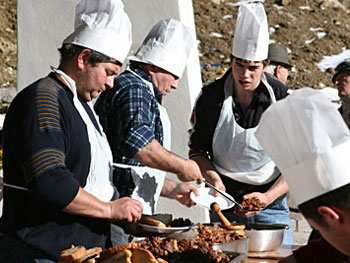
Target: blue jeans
<point>276,213</point>
<point>13,250</point>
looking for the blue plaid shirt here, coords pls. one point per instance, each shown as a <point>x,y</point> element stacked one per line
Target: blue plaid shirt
<point>129,115</point>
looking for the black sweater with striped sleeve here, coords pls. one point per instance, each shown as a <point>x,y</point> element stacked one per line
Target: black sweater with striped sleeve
<point>46,149</point>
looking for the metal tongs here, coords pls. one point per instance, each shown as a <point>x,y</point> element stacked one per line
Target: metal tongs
<point>222,193</point>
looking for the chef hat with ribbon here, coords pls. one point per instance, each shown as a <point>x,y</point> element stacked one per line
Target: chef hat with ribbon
<point>251,38</point>
<point>167,46</point>
<point>102,26</point>
<point>308,140</point>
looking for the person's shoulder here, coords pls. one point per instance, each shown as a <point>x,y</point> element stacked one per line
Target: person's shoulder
<point>41,97</point>
<point>280,90</point>
<point>44,87</point>
<point>319,250</point>
<point>215,89</point>
<point>128,80</point>
<point>128,85</point>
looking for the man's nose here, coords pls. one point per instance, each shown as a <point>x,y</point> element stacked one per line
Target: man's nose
<point>110,81</point>
<point>245,72</point>
<point>175,83</point>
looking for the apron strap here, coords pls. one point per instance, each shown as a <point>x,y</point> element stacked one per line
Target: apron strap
<point>269,88</point>
<point>16,187</point>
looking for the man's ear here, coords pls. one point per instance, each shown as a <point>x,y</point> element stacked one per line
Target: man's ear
<point>331,215</point>
<point>83,58</point>
<point>277,70</point>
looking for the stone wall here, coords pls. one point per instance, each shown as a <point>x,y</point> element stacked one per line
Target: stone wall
<point>301,228</point>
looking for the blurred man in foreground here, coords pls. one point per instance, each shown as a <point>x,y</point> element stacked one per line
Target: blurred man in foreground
<point>311,145</point>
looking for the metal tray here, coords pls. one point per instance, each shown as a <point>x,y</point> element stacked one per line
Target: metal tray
<point>238,258</point>
<point>165,230</point>
<point>236,248</point>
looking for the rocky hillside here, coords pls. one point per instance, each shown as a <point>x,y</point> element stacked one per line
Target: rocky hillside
<point>311,29</point>
<point>8,45</point>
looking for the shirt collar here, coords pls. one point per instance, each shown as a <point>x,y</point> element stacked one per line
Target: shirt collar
<point>68,81</point>
<point>143,74</point>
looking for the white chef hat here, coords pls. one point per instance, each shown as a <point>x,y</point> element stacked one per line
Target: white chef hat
<point>251,38</point>
<point>167,46</point>
<point>308,140</point>
<point>102,26</point>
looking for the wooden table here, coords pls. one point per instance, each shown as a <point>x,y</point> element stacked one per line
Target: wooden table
<point>270,256</point>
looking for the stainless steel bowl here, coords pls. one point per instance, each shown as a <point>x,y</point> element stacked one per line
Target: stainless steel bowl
<point>265,237</point>
<point>238,246</point>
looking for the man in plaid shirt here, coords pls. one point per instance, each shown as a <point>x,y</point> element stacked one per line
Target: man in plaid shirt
<point>136,123</point>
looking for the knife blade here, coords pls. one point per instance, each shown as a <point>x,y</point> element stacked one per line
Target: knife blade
<point>223,194</point>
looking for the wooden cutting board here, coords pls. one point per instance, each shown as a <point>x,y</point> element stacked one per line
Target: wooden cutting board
<point>276,254</point>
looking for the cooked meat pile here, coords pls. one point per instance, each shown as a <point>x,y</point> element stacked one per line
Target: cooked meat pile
<point>218,234</point>
<point>155,250</point>
<point>252,204</point>
<point>179,222</point>
<point>161,250</point>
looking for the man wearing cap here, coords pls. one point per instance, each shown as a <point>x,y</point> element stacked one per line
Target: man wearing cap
<point>341,79</point>
<point>279,65</point>
<point>57,162</point>
<point>137,124</point>
<point>310,144</point>
<point>225,117</point>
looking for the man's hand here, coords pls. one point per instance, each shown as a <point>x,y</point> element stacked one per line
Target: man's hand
<point>126,209</point>
<point>156,156</point>
<point>263,199</point>
<point>85,204</point>
<point>190,172</point>
<point>181,192</point>
<point>214,178</point>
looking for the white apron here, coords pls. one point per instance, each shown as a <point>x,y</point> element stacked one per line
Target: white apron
<point>149,181</point>
<point>99,180</point>
<point>237,153</point>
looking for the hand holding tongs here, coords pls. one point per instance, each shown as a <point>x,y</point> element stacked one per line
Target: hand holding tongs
<point>222,193</point>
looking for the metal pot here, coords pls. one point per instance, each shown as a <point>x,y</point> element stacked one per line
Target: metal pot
<point>265,237</point>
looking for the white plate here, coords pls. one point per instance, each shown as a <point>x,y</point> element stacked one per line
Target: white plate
<point>206,198</point>
<point>165,230</point>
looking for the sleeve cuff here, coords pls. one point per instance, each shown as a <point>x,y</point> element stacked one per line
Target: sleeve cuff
<point>137,141</point>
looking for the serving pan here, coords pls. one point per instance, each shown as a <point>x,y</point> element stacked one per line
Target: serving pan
<point>265,237</point>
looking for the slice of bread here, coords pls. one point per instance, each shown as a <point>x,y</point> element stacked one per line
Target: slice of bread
<point>149,220</point>
<point>160,260</point>
<point>90,254</point>
<point>123,256</point>
<point>72,254</point>
<point>141,255</point>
